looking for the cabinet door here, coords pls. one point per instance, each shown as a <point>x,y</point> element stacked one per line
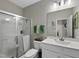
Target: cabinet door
<point>64,56</point>
<point>52,48</point>
<point>71,52</point>
<point>50,54</point>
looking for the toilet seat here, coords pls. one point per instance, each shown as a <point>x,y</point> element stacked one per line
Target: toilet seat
<point>31,53</point>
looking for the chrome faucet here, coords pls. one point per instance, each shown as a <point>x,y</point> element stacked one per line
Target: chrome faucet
<point>61,39</point>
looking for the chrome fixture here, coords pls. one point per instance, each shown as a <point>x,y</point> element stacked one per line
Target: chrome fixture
<point>61,39</point>
<point>62,2</point>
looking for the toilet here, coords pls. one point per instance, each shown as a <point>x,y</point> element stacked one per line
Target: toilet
<point>31,53</point>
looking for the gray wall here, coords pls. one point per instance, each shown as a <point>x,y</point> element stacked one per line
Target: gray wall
<point>38,12</point>
<point>10,7</point>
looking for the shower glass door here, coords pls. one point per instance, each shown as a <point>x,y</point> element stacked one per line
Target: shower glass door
<point>23,30</point>
<point>12,31</point>
<point>8,33</point>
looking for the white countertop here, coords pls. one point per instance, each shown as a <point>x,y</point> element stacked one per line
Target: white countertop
<point>51,40</point>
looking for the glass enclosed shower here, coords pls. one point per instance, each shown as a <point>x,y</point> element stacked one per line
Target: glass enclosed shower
<point>12,30</point>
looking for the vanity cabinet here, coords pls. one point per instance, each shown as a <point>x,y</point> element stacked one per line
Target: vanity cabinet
<point>53,51</point>
<point>49,54</point>
<point>52,54</point>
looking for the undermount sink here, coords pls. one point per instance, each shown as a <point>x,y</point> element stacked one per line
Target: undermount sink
<point>62,42</point>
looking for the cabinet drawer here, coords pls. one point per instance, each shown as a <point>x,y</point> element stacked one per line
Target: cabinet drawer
<point>71,52</point>
<point>49,54</point>
<point>52,48</point>
<point>68,52</point>
<point>64,56</point>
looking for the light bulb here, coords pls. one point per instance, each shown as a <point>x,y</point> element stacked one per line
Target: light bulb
<point>54,5</point>
<point>62,2</point>
<point>69,2</point>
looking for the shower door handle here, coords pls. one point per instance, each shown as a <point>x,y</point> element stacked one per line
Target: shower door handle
<point>17,46</point>
<point>16,39</point>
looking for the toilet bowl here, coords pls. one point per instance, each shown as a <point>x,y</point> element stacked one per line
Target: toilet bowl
<point>32,53</point>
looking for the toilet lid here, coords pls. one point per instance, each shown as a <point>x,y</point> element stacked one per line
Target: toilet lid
<point>31,53</point>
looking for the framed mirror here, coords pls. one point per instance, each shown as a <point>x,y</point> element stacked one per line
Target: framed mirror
<point>63,21</point>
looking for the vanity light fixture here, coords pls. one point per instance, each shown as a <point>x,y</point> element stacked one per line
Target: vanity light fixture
<point>62,2</point>
<point>69,2</point>
<point>58,3</point>
<point>54,5</point>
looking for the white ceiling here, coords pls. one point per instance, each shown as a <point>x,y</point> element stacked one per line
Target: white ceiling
<point>24,3</point>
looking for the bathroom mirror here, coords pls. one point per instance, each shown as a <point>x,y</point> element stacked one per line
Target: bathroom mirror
<point>64,28</point>
<point>63,22</point>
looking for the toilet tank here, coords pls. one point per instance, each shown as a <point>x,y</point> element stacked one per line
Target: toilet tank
<point>37,45</point>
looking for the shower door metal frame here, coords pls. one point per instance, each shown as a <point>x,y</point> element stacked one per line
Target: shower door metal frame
<point>14,15</point>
